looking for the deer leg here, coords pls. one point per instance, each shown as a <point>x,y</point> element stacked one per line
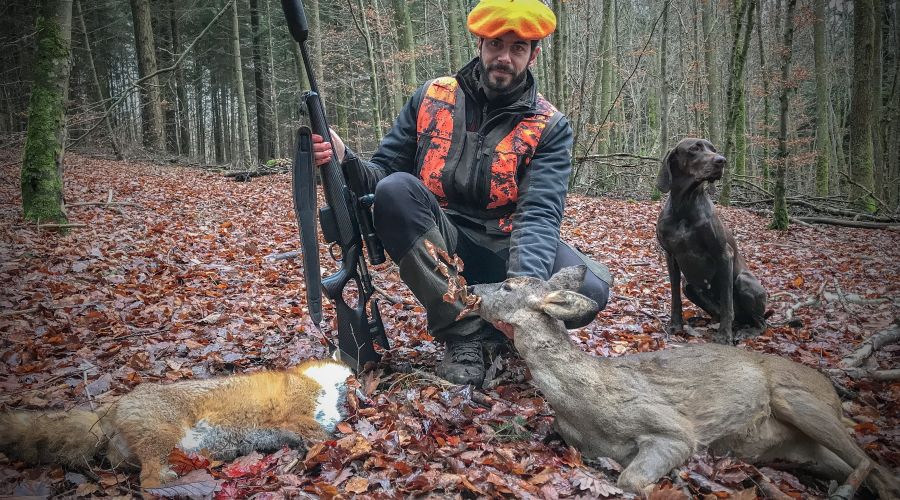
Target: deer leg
<point>818,421</point>
<point>656,456</point>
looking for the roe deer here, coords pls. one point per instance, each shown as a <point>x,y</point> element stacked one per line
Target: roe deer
<point>652,411</point>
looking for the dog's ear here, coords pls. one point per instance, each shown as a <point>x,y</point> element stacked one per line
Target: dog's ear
<point>664,179</point>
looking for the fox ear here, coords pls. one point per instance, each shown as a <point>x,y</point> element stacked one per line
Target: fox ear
<point>664,179</point>
<point>567,305</point>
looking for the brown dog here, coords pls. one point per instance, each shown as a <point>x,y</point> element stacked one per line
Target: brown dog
<point>701,248</point>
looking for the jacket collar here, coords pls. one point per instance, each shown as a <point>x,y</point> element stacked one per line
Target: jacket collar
<point>521,99</point>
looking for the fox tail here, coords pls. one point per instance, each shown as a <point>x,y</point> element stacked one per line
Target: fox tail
<point>70,438</point>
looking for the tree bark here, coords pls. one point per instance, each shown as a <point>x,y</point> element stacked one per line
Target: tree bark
<point>375,98</point>
<point>98,90</point>
<point>181,103</point>
<point>407,52</point>
<point>558,69</point>
<point>742,28</point>
<point>42,159</point>
<point>780,215</point>
<point>878,117</point>
<point>663,83</point>
<point>823,134</point>
<point>712,74</point>
<point>151,108</point>
<point>860,120</point>
<point>243,123</point>
<point>218,125</point>
<point>265,141</point>
<point>454,28</point>
<point>767,112</point>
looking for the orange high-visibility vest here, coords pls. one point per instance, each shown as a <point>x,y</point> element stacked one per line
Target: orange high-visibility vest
<point>437,119</point>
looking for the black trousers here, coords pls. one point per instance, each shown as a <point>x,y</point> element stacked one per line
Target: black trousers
<point>405,210</point>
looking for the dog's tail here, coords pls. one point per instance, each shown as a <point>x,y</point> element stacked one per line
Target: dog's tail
<point>70,438</point>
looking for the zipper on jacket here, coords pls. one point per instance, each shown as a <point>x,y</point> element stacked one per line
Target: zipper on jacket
<point>475,170</point>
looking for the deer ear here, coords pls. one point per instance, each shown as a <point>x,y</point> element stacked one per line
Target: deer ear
<point>567,305</point>
<point>664,179</point>
<point>568,278</point>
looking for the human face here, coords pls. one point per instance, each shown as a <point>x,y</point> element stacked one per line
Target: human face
<point>504,60</point>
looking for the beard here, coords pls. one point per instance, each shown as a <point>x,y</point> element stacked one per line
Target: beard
<point>499,78</point>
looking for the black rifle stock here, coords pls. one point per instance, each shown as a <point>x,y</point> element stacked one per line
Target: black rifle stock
<point>347,210</point>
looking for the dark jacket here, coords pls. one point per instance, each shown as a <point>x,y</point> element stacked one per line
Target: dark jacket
<point>542,184</point>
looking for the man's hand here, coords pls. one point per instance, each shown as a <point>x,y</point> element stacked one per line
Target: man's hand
<point>322,150</point>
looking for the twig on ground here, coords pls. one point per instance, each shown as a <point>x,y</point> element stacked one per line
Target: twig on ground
<point>103,204</point>
<point>863,373</point>
<point>20,311</point>
<point>812,301</point>
<point>393,299</point>
<point>870,345</point>
<point>847,223</point>
<point>284,255</point>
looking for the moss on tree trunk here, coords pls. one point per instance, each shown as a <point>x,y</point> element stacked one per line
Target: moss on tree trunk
<point>41,176</point>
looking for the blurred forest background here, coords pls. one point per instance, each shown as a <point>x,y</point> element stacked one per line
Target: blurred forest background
<point>804,89</point>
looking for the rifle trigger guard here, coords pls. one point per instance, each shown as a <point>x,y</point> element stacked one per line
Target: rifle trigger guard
<point>334,250</point>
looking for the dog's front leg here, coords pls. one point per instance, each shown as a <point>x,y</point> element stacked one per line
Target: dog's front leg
<point>676,323</point>
<point>725,282</point>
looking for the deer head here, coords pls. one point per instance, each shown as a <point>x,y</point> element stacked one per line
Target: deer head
<point>515,302</point>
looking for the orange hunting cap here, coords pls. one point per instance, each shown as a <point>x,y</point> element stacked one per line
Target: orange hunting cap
<point>529,19</point>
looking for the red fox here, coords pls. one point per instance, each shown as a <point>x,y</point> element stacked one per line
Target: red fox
<point>225,417</point>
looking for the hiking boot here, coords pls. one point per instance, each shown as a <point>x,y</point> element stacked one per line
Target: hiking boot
<point>463,362</point>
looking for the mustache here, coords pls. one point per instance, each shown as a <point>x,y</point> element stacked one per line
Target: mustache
<point>501,67</point>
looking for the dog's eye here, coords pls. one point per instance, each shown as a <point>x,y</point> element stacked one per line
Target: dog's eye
<point>506,287</point>
<point>695,147</point>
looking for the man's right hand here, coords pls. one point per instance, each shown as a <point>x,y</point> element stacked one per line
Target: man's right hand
<point>322,150</point>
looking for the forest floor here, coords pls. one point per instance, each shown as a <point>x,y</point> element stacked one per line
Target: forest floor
<point>173,282</point>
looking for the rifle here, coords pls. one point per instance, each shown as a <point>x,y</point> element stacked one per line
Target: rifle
<point>346,221</point>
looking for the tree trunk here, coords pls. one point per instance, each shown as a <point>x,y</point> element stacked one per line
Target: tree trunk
<point>764,161</point>
<point>454,27</point>
<point>42,159</point>
<point>823,135</point>
<point>151,108</point>
<point>265,142</point>
<point>165,58</point>
<point>200,113</point>
<point>780,215</point>
<point>181,103</point>
<point>276,129</point>
<point>375,97</point>
<point>663,84</point>
<point>558,69</point>
<point>243,125</point>
<point>893,117</point>
<point>712,74</point>
<point>407,52</point>
<point>860,122</point>
<point>316,35</point>
<point>98,90</point>
<point>218,126</point>
<point>877,110</point>
<point>742,29</point>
